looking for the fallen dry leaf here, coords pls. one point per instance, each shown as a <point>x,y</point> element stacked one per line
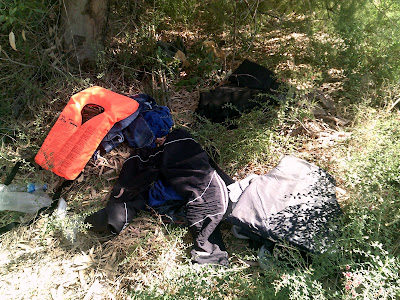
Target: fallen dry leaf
<point>11,38</point>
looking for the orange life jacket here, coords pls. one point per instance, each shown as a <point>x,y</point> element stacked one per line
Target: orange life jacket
<point>80,128</point>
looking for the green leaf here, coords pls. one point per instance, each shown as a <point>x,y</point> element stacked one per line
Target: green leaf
<point>13,11</point>
<point>39,10</point>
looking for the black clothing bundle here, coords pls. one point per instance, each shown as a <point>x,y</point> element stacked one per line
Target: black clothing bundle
<point>182,164</point>
<point>249,85</point>
<point>294,202</point>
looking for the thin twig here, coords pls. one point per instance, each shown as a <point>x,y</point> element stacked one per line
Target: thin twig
<point>167,96</point>
<point>163,91</point>
<point>234,35</point>
<point>154,84</point>
<point>394,104</point>
<point>17,63</point>
<point>303,125</point>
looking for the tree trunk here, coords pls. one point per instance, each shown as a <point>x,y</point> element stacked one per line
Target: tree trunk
<point>84,24</point>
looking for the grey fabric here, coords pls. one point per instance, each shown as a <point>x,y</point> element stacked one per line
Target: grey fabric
<point>237,188</point>
<point>295,202</point>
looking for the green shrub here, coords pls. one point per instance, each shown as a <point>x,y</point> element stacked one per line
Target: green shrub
<point>373,173</point>
<point>20,14</point>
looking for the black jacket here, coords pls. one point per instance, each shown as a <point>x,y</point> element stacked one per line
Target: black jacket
<point>183,164</point>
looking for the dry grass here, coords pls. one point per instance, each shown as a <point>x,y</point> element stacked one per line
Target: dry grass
<point>38,262</point>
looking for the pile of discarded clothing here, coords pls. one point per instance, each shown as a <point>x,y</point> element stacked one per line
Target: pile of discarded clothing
<point>171,173</point>
<point>295,202</point>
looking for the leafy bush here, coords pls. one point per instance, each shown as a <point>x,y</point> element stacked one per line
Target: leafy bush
<point>25,54</point>
<point>178,11</point>
<point>20,14</point>
<point>198,282</point>
<point>373,173</point>
<point>369,32</point>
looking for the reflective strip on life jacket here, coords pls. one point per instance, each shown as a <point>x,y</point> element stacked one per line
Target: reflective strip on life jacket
<point>81,126</point>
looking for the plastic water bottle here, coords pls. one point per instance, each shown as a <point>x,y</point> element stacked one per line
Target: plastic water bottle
<point>17,198</point>
<point>30,188</point>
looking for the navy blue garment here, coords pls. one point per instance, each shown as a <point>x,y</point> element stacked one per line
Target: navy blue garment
<point>115,135</point>
<point>142,127</point>
<point>166,202</point>
<point>139,134</point>
<point>159,194</point>
<point>159,120</point>
<point>154,121</point>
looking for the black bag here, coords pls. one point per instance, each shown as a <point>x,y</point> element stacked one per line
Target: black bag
<point>250,85</point>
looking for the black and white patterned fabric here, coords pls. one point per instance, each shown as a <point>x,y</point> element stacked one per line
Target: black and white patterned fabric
<point>294,202</point>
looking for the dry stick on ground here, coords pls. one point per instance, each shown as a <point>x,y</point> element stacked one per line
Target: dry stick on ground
<point>167,94</point>
<point>15,62</point>
<point>154,86</point>
<point>234,35</point>
<point>394,104</point>
<point>164,89</point>
<point>161,92</point>
<point>303,126</point>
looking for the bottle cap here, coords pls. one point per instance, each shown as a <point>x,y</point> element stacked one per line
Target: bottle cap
<point>30,187</point>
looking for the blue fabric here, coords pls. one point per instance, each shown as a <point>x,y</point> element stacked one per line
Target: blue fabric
<point>121,125</point>
<point>145,101</point>
<point>159,194</point>
<point>159,120</point>
<point>115,135</point>
<point>140,129</point>
<point>138,134</point>
<point>112,141</point>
